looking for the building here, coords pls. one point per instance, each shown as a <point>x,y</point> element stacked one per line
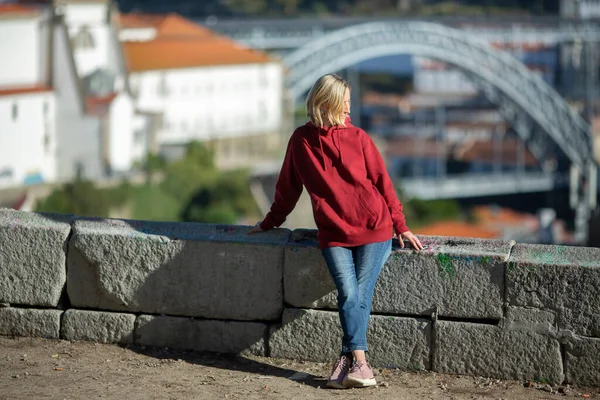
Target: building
<point>28,136</point>
<point>580,8</point>
<point>192,84</point>
<point>97,126</point>
<point>66,111</point>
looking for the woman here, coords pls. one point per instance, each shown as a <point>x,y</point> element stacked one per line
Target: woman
<point>355,209</point>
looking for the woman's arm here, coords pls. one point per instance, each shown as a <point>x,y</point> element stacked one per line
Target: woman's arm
<point>377,173</point>
<point>287,191</point>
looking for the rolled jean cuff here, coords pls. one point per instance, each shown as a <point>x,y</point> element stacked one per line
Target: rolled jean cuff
<point>348,349</point>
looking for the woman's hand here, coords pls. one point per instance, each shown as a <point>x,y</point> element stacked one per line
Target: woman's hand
<point>414,241</point>
<point>255,229</point>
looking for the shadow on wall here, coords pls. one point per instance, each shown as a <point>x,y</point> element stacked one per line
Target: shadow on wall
<point>192,286</point>
<point>461,305</point>
<point>209,287</point>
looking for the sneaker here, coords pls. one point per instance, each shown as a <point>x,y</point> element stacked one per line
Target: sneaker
<point>360,375</point>
<point>338,373</point>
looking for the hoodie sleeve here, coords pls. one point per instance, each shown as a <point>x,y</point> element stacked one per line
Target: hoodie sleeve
<point>377,173</point>
<point>287,191</point>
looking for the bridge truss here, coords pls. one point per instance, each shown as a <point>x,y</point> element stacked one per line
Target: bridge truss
<point>539,115</point>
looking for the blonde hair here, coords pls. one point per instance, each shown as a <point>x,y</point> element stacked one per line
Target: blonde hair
<point>325,101</point>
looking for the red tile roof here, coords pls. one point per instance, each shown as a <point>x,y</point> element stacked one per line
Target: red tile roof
<point>507,151</point>
<point>99,105</point>
<point>17,90</point>
<point>491,221</point>
<point>135,20</point>
<point>498,215</point>
<point>17,9</point>
<point>180,43</point>
<point>457,228</point>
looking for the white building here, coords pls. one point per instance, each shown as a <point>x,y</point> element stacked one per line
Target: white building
<point>27,99</point>
<point>201,86</point>
<point>437,77</point>
<point>64,106</point>
<point>104,144</point>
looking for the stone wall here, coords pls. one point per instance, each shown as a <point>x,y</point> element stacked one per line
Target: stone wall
<point>461,306</point>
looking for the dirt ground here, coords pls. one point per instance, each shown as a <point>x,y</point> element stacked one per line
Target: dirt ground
<point>53,369</point>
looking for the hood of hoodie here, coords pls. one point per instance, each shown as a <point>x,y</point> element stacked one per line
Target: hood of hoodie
<point>334,133</point>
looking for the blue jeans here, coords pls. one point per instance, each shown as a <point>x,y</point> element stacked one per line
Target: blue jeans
<point>355,271</point>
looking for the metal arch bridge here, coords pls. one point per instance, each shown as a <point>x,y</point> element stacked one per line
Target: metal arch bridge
<point>288,34</point>
<point>539,115</point>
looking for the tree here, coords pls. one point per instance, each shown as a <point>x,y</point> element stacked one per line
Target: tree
<point>290,7</point>
<point>79,197</point>
<point>225,200</point>
<point>196,169</point>
<point>247,7</point>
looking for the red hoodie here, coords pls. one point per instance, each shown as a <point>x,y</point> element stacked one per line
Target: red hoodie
<point>352,196</point>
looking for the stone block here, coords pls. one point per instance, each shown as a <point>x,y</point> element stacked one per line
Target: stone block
<point>460,277</point>
<point>29,322</point>
<point>582,361</point>
<point>530,319</point>
<point>487,350</point>
<point>32,257</point>
<point>394,342</point>
<point>190,269</point>
<point>307,282</point>
<point>309,335</point>
<point>232,337</point>
<point>98,326</point>
<point>563,280</point>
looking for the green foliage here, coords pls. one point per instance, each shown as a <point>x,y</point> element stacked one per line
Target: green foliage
<point>249,7</point>
<point>422,212</point>
<point>434,210</point>
<point>323,8</point>
<point>386,83</point>
<point>192,190</point>
<point>196,169</point>
<point>290,7</point>
<point>222,200</point>
<point>118,195</point>
<point>154,163</point>
<point>80,197</point>
<point>150,203</point>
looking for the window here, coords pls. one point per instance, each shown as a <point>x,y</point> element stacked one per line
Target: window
<point>138,136</point>
<point>163,90</point>
<point>45,108</point>
<point>15,112</point>
<point>262,110</point>
<point>79,170</point>
<point>47,142</point>
<point>263,78</point>
<point>83,39</point>
<point>226,149</point>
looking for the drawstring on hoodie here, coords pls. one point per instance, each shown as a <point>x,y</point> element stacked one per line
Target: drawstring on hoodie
<point>337,145</point>
<point>322,152</point>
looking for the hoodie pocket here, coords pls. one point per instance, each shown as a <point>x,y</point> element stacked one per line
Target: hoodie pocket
<point>370,213</point>
<point>351,213</point>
